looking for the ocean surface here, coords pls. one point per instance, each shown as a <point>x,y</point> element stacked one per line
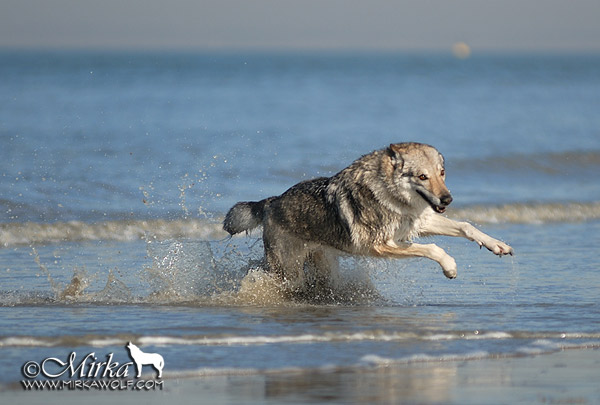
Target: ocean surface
<point>117,168</point>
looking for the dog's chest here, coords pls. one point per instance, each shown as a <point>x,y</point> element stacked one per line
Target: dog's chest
<point>405,229</point>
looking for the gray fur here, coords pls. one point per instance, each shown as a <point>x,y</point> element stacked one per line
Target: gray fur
<point>375,207</point>
<point>244,216</point>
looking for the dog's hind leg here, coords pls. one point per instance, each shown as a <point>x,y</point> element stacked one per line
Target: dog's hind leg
<point>285,257</point>
<point>392,250</point>
<point>324,266</point>
<point>272,257</point>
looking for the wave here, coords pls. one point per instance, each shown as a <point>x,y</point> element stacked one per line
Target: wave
<point>547,163</point>
<point>528,213</point>
<point>571,338</point>
<point>536,348</point>
<point>374,361</point>
<point>32,233</point>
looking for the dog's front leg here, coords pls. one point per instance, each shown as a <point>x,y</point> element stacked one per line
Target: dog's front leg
<point>437,224</point>
<point>431,251</point>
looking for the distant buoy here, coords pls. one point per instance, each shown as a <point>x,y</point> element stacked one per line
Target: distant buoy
<point>461,50</point>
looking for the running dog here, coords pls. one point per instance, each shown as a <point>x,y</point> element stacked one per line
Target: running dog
<point>374,207</point>
<point>140,359</point>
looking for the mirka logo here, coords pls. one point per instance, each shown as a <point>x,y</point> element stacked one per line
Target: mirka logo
<point>141,359</point>
<point>88,372</point>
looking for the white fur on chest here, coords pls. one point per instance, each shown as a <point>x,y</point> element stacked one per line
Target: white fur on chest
<point>411,227</point>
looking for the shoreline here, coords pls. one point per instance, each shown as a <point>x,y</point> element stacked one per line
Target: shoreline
<point>568,376</point>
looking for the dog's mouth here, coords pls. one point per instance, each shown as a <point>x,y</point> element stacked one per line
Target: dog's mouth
<point>439,208</point>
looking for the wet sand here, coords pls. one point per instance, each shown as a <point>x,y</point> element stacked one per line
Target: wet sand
<point>566,377</point>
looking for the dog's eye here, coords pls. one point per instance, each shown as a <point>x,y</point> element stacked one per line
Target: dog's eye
<point>423,177</point>
<point>443,172</point>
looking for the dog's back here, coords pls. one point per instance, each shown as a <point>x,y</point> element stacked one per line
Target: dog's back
<point>305,211</point>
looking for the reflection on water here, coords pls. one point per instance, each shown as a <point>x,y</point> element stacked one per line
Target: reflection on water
<point>383,384</point>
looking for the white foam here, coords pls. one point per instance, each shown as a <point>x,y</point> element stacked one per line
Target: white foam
<point>373,359</point>
<point>476,335</point>
<point>106,342</point>
<point>262,340</point>
<point>28,233</point>
<point>488,335</point>
<point>537,342</point>
<point>377,336</point>
<point>24,341</point>
<point>535,213</point>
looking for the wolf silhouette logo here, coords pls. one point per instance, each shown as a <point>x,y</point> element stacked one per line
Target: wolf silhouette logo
<point>140,358</point>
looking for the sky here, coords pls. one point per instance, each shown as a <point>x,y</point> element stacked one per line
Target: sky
<point>496,25</point>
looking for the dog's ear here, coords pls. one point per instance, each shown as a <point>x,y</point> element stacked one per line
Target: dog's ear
<point>395,153</point>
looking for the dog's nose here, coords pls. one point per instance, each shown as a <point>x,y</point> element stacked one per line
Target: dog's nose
<point>446,199</point>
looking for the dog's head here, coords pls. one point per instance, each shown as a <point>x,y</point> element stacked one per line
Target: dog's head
<point>418,172</point>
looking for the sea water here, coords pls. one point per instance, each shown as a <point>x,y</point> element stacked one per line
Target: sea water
<point>116,170</point>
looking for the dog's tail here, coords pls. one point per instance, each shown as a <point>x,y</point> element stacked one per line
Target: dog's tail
<point>244,216</point>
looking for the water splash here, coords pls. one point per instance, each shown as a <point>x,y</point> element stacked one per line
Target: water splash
<point>36,258</point>
<point>69,292</point>
<point>202,273</point>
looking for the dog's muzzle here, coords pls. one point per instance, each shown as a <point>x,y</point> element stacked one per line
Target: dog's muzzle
<point>445,200</point>
<point>440,207</point>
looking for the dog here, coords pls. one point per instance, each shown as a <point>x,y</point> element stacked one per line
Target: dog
<point>374,207</point>
<point>140,359</point>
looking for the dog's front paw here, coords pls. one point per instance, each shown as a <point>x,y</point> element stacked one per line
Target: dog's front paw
<point>449,267</point>
<point>497,247</point>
